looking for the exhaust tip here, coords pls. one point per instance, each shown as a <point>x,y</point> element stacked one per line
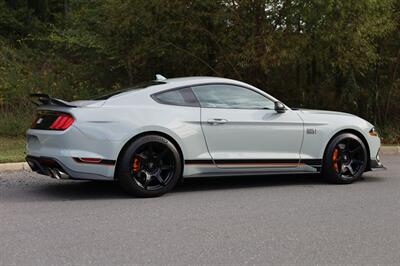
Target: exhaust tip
<point>53,173</point>
<point>57,174</point>
<point>61,174</point>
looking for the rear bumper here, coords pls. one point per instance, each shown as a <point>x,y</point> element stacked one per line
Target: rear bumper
<point>47,166</point>
<point>56,169</point>
<point>57,150</point>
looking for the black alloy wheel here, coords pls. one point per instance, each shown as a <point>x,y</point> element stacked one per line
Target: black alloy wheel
<point>150,166</point>
<point>153,165</point>
<point>345,159</point>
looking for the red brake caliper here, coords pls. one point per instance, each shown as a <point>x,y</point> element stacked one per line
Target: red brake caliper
<point>334,157</point>
<point>136,165</point>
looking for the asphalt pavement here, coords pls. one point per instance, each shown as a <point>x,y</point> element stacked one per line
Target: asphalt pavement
<point>287,219</point>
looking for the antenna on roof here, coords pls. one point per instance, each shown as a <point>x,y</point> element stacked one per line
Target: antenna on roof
<point>160,77</point>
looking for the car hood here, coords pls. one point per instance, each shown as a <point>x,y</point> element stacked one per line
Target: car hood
<point>332,117</point>
<point>323,112</point>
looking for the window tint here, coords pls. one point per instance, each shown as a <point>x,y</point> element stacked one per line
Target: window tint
<point>229,96</point>
<point>183,97</point>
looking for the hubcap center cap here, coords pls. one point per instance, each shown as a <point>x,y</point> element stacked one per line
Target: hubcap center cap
<point>151,166</point>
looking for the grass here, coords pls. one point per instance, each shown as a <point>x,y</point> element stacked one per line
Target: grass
<point>12,149</point>
<point>12,131</point>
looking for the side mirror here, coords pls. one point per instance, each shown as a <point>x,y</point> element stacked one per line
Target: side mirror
<point>279,107</point>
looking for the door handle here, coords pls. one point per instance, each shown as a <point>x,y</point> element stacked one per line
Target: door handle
<point>217,121</point>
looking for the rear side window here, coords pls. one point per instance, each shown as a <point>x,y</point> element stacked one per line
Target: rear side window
<point>181,97</point>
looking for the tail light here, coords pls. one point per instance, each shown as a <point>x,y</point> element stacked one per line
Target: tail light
<point>62,122</point>
<point>47,120</point>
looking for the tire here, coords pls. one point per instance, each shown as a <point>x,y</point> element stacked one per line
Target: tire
<point>149,167</point>
<point>345,159</point>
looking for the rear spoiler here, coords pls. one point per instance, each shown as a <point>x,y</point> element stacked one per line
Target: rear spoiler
<point>39,99</point>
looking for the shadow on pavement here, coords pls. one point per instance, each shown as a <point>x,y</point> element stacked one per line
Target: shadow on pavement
<point>239,182</point>
<point>87,190</point>
<point>82,190</point>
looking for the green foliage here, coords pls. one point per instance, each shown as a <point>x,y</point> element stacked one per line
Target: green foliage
<point>15,124</point>
<point>390,134</point>
<point>12,150</point>
<point>332,54</point>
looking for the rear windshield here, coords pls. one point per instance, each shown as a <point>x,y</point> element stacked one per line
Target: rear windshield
<point>139,86</point>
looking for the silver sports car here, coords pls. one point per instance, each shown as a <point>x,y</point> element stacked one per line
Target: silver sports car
<point>150,136</point>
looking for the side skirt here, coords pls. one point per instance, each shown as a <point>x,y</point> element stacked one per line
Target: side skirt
<point>219,174</point>
<point>197,168</point>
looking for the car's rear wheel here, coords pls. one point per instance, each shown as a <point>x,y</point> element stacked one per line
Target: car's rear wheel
<point>345,159</point>
<point>149,167</point>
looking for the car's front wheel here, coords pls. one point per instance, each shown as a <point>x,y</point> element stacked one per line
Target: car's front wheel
<point>149,167</point>
<point>345,159</point>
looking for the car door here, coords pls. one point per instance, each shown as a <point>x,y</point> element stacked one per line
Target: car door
<point>243,130</point>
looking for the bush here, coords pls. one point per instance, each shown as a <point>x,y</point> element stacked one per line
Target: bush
<point>15,124</point>
<point>390,134</point>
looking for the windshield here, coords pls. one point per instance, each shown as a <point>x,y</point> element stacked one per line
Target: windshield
<point>139,86</point>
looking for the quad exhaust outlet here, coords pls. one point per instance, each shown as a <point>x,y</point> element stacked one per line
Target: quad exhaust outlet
<point>58,174</point>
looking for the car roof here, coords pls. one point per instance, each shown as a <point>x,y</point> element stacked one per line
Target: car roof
<point>160,85</point>
<point>167,84</point>
<point>200,79</point>
<point>197,80</point>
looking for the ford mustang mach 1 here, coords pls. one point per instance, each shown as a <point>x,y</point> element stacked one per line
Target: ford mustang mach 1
<point>150,136</point>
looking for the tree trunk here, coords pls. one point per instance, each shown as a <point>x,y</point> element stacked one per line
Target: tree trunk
<point>129,70</point>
